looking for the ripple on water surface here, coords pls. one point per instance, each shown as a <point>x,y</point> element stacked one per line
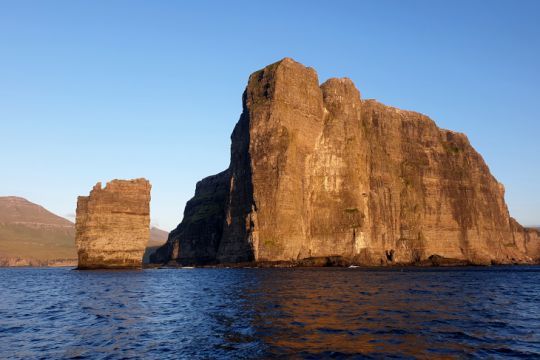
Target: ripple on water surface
<point>260,313</point>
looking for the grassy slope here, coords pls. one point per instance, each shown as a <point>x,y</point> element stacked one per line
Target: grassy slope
<point>41,243</point>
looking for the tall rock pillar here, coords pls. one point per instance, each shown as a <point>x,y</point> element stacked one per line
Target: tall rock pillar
<point>113,225</point>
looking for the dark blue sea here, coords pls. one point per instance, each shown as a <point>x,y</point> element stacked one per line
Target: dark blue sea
<point>59,313</point>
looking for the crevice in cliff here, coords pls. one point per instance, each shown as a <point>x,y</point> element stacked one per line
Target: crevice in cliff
<point>237,243</point>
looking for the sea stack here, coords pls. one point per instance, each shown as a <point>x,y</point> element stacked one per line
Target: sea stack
<point>320,176</point>
<point>112,225</point>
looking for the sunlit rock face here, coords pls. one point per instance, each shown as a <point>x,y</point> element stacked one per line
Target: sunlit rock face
<point>317,172</point>
<point>112,225</point>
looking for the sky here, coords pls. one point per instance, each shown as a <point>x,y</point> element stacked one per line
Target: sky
<point>96,90</point>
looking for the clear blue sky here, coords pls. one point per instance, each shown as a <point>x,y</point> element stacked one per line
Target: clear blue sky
<point>96,90</point>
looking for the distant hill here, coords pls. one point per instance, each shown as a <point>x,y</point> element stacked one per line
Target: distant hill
<point>30,235</point>
<point>17,210</point>
<point>158,237</point>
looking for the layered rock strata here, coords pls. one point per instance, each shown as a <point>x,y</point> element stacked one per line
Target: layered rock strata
<point>112,225</point>
<point>318,173</point>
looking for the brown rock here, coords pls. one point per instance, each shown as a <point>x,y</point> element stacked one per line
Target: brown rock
<point>112,225</point>
<point>318,173</point>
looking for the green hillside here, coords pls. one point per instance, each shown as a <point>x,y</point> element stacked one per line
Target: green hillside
<point>41,243</point>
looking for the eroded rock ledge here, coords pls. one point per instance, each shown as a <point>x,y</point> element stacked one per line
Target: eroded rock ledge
<point>112,225</point>
<point>317,172</point>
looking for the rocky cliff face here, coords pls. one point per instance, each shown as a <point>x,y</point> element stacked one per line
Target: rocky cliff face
<point>201,229</point>
<point>112,225</point>
<point>317,172</point>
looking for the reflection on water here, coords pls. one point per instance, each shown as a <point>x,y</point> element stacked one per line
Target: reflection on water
<point>414,313</point>
<point>260,313</point>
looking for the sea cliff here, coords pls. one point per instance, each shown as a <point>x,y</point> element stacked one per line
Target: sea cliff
<point>320,176</point>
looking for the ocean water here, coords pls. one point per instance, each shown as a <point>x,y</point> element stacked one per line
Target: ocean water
<point>267,313</point>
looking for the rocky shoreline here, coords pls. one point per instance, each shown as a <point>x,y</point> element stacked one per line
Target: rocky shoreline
<point>26,262</point>
<point>340,262</point>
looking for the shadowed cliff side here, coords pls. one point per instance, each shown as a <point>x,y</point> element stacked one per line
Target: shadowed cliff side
<point>318,173</point>
<point>196,240</point>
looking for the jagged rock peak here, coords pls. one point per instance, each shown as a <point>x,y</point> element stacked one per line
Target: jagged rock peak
<point>341,86</point>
